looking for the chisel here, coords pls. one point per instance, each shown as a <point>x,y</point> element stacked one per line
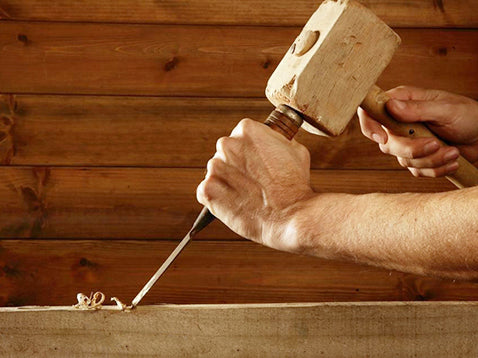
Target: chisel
<point>284,120</point>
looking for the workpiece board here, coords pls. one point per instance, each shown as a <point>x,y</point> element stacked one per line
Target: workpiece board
<point>272,330</point>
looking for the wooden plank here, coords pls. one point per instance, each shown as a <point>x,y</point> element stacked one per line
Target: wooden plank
<point>411,13</point>
<point>422,61</point>
<point>145,131</point>
<point>46,272</point>
<point>202,61</point>
<point>305,330</point>
<point>142,202</point>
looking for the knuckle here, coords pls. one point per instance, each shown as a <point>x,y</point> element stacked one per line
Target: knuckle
<point>205,191</point>
<point>360,112</point>
<point>304,152</point>
<point>396,91</point>
<point>364,118</point>
<point>223,144</point>
<point>246,125</point>
<point>200,194</point>
<point>415,172</point>
<point>384,148</point>
<point>213,166</point>
<point>403,162</point>
<point>366,131</point>
<point>366,126</point>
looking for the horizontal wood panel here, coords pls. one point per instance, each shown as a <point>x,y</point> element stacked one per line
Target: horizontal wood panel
<point>200,60</point>
<point>150,131</point>
<point>53,272</point>
<point>414,13</point>
<point>143,202</point>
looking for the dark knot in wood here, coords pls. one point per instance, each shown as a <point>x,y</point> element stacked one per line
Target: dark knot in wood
<point>171,64</point>
<point>23,39</point>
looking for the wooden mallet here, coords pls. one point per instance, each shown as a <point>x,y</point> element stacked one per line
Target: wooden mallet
<point>331,69</point>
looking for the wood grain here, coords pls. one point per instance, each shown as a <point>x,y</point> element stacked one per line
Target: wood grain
<point>43,272</point>
<point>326,76</point>
<point>411,13</point>
<point>386,330</point>
<point>145,131</point>
<point>223,61</point>
<point>143,202</point>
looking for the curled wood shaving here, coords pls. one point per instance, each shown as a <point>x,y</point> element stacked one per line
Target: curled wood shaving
<point>95,302</point>
<point>120,304</point>
<point>90,303</point>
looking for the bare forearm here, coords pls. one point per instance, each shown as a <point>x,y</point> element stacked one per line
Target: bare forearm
<point>432,234</point>
<point>258,185</point>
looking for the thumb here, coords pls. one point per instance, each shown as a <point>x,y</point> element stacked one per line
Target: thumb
<point>438,113</point>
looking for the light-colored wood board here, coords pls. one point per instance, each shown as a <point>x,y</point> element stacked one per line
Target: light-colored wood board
<point>223,61</point>
<point>145,131</point>
<point>52,272</point>
<point>410,13</point>
<point>305,330</point>
<point>143,202</point>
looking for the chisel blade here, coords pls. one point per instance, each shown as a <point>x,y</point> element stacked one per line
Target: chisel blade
<point>203,220</point>
<point>162,269</point>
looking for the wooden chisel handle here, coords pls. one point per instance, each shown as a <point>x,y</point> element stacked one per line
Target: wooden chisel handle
<point>285,121</point>
<point>374,104</point>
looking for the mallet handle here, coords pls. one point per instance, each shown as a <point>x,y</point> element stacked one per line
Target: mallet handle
<point>374,104</point>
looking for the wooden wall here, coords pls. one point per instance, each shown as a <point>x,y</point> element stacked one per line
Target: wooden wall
<point>110,110</point>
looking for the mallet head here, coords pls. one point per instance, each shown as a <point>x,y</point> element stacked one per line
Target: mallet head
<point>336,59</point>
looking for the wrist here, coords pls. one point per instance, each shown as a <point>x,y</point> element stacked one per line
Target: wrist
<point>316,225</point>
<point>285,229</point>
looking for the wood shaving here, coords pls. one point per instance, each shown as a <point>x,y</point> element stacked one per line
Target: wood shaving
<point>90,303</point>
<point>120,304</point>
<point>95,302</point>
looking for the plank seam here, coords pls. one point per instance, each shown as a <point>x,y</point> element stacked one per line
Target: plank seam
<point>23,166</point>
<point>136,95</point>
<point>224,24</point>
